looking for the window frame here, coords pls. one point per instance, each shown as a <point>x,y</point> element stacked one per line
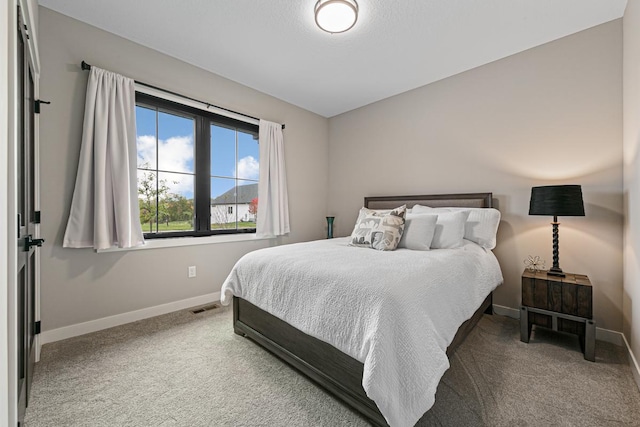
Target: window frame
<point>202,163</point>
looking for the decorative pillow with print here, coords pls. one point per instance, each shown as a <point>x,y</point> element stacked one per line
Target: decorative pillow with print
<point>381,231</point>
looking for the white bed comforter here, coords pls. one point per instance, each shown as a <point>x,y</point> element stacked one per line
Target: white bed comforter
<point>396,312</point>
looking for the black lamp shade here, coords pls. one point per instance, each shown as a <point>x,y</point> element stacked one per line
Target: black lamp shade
<point>556,200</point>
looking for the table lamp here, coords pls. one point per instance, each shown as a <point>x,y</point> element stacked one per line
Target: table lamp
<point>556,200</point>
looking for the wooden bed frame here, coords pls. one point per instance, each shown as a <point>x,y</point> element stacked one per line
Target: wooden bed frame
<point>335,371</point>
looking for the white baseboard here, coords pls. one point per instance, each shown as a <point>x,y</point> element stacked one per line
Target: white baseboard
<point>602,334</point>
<point>613,337</point>
<point>38,346</point>
<point>501,310</point>
<point>633,362</point>
<point>120,319</point>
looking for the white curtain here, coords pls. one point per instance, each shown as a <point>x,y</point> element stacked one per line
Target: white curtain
<point>273,201</point>
<point>104,210</point>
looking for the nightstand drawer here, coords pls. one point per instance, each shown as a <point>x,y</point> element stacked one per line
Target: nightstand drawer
<point>568,295</point>
<point>572,294</point>
<point>561,303</point>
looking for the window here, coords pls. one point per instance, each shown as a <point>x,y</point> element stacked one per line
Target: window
<point>197,171</point>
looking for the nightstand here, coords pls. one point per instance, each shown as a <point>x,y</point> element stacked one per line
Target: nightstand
<point>563,304</point>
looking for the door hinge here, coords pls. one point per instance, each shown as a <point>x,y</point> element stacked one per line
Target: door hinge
<point>37,327</point>
<point>37,103</point>
<point>36,217</point>
<point>30,241</point>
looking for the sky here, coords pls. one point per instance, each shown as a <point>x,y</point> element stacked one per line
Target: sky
<point>172,150</point>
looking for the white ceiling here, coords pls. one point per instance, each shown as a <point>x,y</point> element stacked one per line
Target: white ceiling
<point>275,47</point>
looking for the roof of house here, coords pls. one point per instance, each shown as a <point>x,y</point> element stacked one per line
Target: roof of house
<point>246,193</point>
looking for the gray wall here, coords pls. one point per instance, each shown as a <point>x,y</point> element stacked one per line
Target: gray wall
<point>631,76</point>
<point>548,115</point>
<point>80,285</point>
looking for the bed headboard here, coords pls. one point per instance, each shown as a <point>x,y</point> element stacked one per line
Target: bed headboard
<point>467,200</point>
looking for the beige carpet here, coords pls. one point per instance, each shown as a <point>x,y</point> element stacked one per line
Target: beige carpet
<point>183,369</point>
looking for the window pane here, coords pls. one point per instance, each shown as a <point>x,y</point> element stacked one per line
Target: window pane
<point>248,157</point>
<point>223,151</point>
<point>175,202</point>
<point>147,184</point>
<point>223,197</point>
<point>175,143</point>
<point>146,137</point>
<point>247,204</point>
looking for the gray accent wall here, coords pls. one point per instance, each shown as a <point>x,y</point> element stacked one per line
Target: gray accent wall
<point>549,115</point>
<point>79,285</point>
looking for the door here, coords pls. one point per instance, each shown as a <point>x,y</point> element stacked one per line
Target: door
<point>26,198</point>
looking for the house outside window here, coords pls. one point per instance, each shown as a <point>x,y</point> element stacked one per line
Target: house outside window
<point>197,171</point>
<point>240,199</point>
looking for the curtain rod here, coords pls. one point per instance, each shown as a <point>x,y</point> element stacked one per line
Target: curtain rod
<point>87,67</point>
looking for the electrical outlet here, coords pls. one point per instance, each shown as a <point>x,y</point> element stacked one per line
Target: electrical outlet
<point>192,271</point>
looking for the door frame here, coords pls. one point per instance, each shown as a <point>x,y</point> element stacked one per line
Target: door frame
<point>7,401</point>
<point>8,195</point>
<point>26,6</point>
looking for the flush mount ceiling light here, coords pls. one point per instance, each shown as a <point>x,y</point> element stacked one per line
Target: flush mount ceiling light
<point>336,16</point>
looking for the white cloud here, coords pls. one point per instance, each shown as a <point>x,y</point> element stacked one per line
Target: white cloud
<point>146,145</point>
<point>248,168</point>
<point>175,154</point>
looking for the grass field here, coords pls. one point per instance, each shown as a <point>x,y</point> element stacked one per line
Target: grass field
<point>241,224</point>
<point>186,226</point>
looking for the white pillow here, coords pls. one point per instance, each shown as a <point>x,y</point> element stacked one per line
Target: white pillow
<point>481,226</point>
<point>449,232</point>
<point>418,232</point>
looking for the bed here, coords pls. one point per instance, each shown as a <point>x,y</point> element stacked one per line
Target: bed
<point>343,373</point>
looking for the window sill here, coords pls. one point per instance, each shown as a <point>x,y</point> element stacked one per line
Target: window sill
<point>189,241</point>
